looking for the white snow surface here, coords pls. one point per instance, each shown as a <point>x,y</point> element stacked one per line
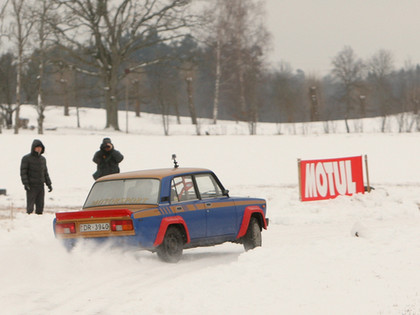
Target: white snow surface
<point>311,262</point>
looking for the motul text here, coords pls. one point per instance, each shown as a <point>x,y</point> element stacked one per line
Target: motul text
<point>326,179</point>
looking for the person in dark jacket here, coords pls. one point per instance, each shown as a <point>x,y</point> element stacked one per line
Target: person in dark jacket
<point>34,174</point>
<point>107,159</point>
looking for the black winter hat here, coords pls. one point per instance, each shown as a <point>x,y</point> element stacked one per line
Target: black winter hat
<point>105,141</point>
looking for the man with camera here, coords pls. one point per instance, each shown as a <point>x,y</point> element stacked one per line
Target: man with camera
<point>107,159</point>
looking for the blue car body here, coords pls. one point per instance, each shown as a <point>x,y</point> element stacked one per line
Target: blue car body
<point>138,208</point>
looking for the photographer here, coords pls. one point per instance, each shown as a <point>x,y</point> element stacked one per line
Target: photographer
<point>107,159</point>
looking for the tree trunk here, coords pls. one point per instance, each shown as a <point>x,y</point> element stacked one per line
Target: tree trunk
<point>137,110</point>
<point>18,88</point>
<point>127,96</point>
<point>191,101</point>
<point>112,101</point>
<point>242,102</point>
<point>348,104</point>
<point>137,106</point>
<point>253,119</point>
<point>112,112</point>
<point>191,105</point>
<point>313,99</point>
<point>217,83</point>
<point>63,83</point>
<point>41,106</point>
<point>165,123</point>
<point>178,118</point>
<point>66,97</point>
<point>9,117</point>
<point>164,111</point>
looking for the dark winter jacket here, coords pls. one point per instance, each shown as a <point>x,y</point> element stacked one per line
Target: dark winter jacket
<point>33,167</point>
<point>107,161</point>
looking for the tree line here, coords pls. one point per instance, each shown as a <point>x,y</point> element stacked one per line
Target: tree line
<point>183,58</point>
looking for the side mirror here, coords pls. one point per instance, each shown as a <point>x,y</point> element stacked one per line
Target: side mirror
<point>226,192</point>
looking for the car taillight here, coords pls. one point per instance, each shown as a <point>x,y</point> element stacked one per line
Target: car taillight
<point>65,228</point>
<point>121,225</point>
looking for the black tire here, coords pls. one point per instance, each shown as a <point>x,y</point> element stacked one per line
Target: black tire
<point>172,246</point>
<point>253,237</point>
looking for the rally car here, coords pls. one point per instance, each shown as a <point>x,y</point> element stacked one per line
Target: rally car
<point>165,211</point>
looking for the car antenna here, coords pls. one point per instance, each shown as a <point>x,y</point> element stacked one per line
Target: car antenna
<point>175,162</point>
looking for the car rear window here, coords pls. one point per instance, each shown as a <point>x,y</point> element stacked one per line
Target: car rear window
<point>123,192</point>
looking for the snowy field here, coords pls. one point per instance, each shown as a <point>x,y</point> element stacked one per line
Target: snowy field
<point>311,261</point>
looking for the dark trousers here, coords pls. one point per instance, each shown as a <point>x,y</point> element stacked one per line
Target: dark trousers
<point>35,196</point>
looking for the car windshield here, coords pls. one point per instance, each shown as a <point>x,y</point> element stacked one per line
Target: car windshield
<point>123,192</point>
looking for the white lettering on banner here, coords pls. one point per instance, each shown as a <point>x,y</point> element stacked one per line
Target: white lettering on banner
<point>328,166</point>
<point>340,179</point>
<point>329,177</point>
<point>351,186</point>
<point>321,180</point>
<point>310,185</point>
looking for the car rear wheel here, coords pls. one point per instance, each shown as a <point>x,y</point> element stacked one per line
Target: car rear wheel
<point>172,246</point>
<point>253,237</point>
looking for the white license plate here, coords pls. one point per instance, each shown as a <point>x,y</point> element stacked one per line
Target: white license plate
<point>94,227</point>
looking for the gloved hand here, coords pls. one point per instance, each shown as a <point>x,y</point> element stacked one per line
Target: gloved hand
<point>49,188</point>
<point>27,188</point>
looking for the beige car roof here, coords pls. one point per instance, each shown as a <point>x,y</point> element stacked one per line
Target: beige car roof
<point>153,173</point>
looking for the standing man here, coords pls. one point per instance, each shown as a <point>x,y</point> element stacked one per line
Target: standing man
<point>34,174</point>
<point>107,159</point>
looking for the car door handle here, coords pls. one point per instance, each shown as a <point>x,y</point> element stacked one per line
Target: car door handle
<point>179,208</point>
<point>208,204</point>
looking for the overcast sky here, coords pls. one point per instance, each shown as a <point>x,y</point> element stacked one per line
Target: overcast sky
<point>309,33</point>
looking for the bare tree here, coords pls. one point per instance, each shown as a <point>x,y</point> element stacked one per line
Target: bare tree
<point>218,76</point>
<point>20,31</point>
<point>217,33</point>
<point>380,67</point>
<point>111,31</point>
<point>314,88</point>
<point>2,114</point>
<point>189,80</point>
<point>284,93</point>
<point>64,75</point>
<point>162,99</point>
<point>248,37</point>
<point>348,70</point>
<point>7,88</point>
<point>409,79</point>
<point>239,38</point>
<point>42,11</point>
<point>136,89</point>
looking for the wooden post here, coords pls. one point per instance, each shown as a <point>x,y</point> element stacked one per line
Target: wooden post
<point>367,174</point>
<point>299,175</point>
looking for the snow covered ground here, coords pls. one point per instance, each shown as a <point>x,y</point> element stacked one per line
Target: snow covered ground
<point>311,261</point>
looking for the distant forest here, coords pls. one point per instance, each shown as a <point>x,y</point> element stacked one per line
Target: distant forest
<point>168,58</point>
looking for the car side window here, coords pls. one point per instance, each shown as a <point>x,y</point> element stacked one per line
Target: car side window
<point>182,189</point>
<point>208,186</point>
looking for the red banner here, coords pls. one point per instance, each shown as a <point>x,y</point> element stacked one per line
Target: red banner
<point>329,178</point>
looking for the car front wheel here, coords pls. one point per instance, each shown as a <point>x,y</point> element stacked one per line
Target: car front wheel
<point>172,246</point>
<point>253,237</point>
